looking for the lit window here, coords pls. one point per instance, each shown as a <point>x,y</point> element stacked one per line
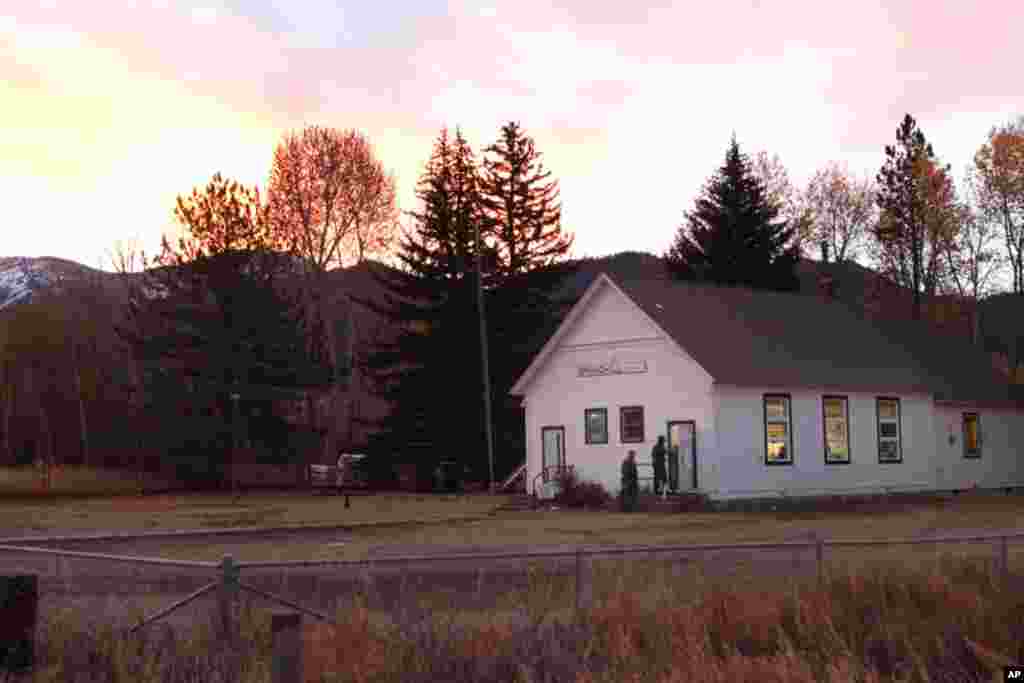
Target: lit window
<point>837,429</point>
<point>778,435</point>
<point>972,436</point>
<point>889,430</point>
<point>631,424</point>
<point>596,425</point>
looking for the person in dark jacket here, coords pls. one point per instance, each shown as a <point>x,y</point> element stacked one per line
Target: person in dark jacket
<point>630,483</point>
<point>658,454</point>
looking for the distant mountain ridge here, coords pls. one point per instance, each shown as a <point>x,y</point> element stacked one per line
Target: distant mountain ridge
<point>1002,315</point>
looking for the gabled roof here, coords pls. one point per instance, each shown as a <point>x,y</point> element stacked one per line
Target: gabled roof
<point>759,338</point>
<point>577,311</point>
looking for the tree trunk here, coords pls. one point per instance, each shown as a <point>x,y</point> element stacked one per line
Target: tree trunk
<point>8,389</point>
<point>83,434</point>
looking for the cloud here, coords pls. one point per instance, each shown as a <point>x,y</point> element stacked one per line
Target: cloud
<point>127,103</point>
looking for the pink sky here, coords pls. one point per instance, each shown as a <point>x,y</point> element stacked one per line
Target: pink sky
<point>111,109</point>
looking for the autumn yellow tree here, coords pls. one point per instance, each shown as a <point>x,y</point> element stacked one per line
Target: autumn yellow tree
<point>841,211</point>
<point>999,169</point>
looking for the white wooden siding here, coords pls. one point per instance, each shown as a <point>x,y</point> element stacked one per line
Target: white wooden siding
<point>740,421</point>
<point>1002,448</point>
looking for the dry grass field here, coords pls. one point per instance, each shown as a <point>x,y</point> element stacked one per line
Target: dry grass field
<point>951,621</point>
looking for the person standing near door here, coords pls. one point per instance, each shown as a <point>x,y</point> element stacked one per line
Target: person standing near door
<point>630,483</point>
<point>673,468</point>
<point>658,459</point>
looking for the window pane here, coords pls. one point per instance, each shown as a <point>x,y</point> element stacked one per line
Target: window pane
<point>775,408</point>
<point>888,450</point>
<point>632,423</point>
<point>835,407</point>
<point>888,430</point>
<point>837,438</point>
<point>778,446</point>
<point>971,433</point>
<point>888,409</point>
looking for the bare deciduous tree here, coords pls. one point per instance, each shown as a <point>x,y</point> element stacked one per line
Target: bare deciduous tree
<point>972,255</point>
<point>328,194</point>
<point>842,210</point>
<point>999,172</point>
<point>784,195</point>
<point>329,197</point>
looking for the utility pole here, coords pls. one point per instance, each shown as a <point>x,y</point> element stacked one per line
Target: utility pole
<point>483,360</point>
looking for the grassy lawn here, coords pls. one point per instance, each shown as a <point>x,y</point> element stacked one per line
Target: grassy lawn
<point>564,527</point>
<point>129,513</point>
<point>461,523</point>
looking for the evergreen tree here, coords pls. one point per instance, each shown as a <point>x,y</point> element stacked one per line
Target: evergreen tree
<point>429,373</point>
<point>524,230</point>
<point>733,237</point>
<point>216,319</point>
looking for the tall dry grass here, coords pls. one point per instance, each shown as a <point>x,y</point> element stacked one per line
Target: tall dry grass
<point>28,480</point>
<point>953,622</point>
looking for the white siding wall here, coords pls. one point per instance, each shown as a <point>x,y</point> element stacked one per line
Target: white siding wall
<point>674,387</point>
<point>739,420</point>
<point>1002,449</point>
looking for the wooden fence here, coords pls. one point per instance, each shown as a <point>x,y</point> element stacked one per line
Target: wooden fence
<point>287,648</point>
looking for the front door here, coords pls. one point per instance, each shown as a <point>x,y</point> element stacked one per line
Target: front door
<point>682,454</point>
<point>552,456</point>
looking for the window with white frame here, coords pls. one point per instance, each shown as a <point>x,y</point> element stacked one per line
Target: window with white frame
<point>889,447</point>
<point>836,418</point>
<point>778,431</point>
<point>596,425</point>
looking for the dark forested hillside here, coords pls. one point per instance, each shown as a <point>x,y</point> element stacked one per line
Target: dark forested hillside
<point>92,300</point>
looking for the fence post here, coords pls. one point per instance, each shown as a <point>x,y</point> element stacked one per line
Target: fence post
<point>286,630</point>
<point>1004,560</point>
<point>225,597</point>
<point>479,584</point>
<point>583,584</point>
<point>367,581</point>
<point>19,614</point>
<point>819,551</point>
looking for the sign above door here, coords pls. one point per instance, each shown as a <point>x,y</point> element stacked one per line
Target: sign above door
<point>613,366</point>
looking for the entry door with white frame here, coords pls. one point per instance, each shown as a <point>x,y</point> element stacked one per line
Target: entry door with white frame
<point>682,435</point>
<point>552,456</point>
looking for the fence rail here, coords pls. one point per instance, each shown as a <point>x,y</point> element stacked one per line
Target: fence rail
<point>227,583</point>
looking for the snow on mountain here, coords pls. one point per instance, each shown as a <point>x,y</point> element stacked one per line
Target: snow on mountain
<point>20,277</point>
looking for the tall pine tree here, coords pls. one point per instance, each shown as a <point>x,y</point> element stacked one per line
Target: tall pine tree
<point>524,228</point>
<point>733,236</point>
<point>430,373</point>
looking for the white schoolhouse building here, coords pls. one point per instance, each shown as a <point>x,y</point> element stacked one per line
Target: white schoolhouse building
<point>764,394</point>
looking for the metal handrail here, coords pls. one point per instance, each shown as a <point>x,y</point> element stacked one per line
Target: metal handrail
<point>519,471</point>
<point>544,472</point>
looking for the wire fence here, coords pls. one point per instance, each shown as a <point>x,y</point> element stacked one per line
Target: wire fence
<point>109,587</point>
